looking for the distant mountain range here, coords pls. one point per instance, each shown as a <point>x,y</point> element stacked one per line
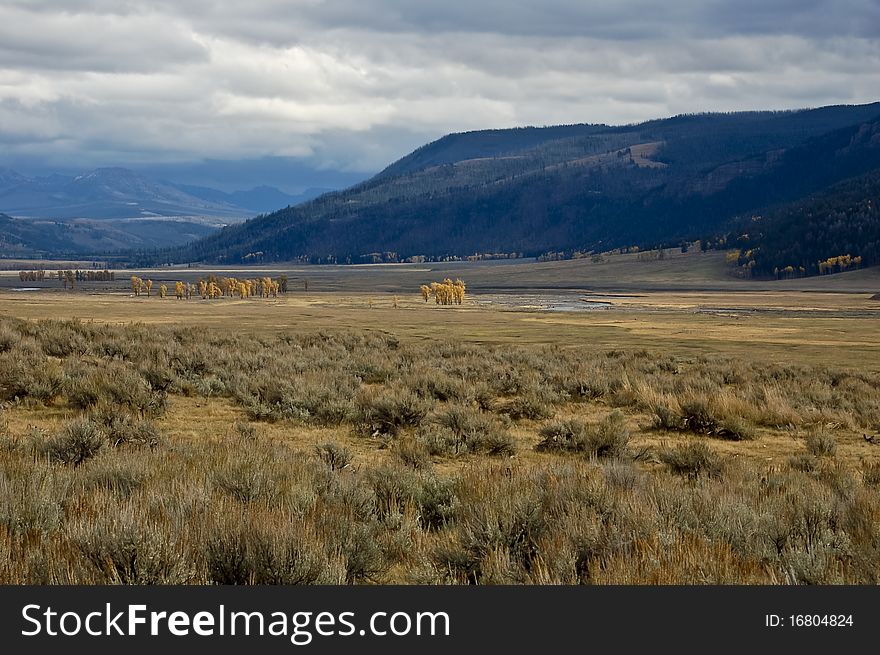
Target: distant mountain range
<point>116,208</point>
<point>261,199</point>
<point>586,187</point>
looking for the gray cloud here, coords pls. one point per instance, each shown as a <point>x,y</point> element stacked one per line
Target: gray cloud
<point>354,84</point>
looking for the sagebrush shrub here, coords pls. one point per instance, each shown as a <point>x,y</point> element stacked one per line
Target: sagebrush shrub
<point>821,444</point>
<point>335,456</point>
<point>252,554</point>
<point>389,412</point>
<point>609,438</point>
<point>78,442</point>
<point>692,459</point>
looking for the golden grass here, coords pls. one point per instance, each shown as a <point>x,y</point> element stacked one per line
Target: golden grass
<point>788,364</point>
<point>832,329</point>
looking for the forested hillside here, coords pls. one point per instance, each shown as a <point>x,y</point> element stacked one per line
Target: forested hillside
<point>589,187</point>
<point>834,231</point>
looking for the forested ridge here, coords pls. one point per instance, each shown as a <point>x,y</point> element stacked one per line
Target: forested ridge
<point>831,232</point>
<point>586,187</point>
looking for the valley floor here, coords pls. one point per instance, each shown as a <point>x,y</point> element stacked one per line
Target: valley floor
<point>662,434</point>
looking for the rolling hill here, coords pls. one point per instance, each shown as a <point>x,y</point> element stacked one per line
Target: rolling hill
<point>590,187</point>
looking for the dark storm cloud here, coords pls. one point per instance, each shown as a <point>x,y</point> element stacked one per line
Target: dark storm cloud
<point>604,19</point>
<point>354,84</point>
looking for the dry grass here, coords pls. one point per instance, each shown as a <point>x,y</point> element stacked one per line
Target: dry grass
<point>340,456</point>
<point>815,327</point>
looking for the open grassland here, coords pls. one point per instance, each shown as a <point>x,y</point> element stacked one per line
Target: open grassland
<point>686,432</point>
<point>693,271</point>
<point>677,437</point>
<point>839,329</point>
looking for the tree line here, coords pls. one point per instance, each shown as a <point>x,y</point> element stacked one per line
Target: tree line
<point>67,277</point>
<point>214,287</point>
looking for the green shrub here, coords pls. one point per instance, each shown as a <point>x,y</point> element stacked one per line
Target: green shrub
<point>78,442</point>
<point>64,339</point>
<point>437,503</point>
<point>413,453</point>
<point>529,406</point>
<point>697,415</point>
<point>692,459</point>
<point>25,373</point>
<point>32,501</point>
<point>130,554</point>
<point>247,481</point>
<point>257,555</point>
<point>114,385</point>
<point>121,428</point>
<point>607,439</point>
<point>666,418</point>
<point>390,411</point>
<point>821,444</point>
<point>335,456</point>
<point>8,338</point>
<point>803,462</point>
<point>466,430</point>
<point>438,386</point>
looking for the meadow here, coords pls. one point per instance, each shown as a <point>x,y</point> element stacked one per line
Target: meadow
<point>684,434</point>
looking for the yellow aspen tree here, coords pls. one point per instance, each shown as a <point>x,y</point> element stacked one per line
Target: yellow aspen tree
<point>426,292</point>
<point>231,286</point>
<point>163,290</point>
<point>459,290</point>
<point>149,285</point>
<point>135,285</point>
<point>203,289</point>
<point>178,290</point>
<point>447,291</point>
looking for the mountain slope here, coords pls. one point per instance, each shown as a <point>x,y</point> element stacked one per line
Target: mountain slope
<point>841,223</point>
<point>587,187</point>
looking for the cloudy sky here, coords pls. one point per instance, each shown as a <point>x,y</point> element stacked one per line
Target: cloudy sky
<point>350,85</point>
